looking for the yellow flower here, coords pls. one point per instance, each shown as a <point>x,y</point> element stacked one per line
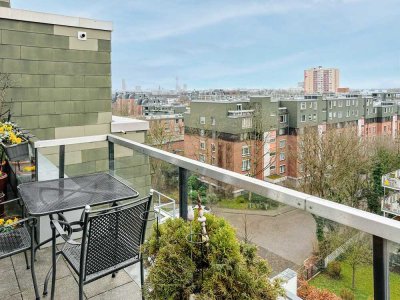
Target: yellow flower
<point>9,222</point>
<point>1,221</point>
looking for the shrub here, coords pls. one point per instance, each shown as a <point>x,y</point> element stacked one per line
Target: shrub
<point>193,195</point>
<point>212,198</point>
<point>231,269</point>
<point>334,269</point>
<point>308,292</point>
<point>347,294</point>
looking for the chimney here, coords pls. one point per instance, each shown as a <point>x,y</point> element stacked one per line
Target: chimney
<point>4,3</point>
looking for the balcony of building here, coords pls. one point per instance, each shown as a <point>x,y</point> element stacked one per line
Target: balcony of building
<point>391,180</point>
<point>240,113</point>
<point>285,236</point>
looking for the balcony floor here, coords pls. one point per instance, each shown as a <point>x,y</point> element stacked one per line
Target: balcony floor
<point>16,280</point>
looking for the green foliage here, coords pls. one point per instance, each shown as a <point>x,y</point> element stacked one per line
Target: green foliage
<point>212,198</point>
<point>231,270</point>
<point>194,182</point>
<point>347,294</point>
<point>193,195</point>
<point>334,269</point>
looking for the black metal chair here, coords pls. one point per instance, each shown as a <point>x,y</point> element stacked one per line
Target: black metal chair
<point>18,240</point>
<point>111,240</point>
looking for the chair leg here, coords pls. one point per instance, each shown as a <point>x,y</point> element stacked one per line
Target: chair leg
<point>54,264</point>
<point>33,228</point>
<point>80,287</point>
<point>26,260</point>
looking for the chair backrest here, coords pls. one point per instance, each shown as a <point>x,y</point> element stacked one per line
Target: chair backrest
<point>114,236</point>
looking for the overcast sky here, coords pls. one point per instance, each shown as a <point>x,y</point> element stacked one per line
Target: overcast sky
<point>246,44</point>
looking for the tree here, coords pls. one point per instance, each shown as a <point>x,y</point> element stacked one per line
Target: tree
<point>358,253</point>
<point>6,83</point>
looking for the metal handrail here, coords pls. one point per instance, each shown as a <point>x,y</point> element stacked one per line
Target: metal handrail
<point>365,221</point>
<point>368,222</point>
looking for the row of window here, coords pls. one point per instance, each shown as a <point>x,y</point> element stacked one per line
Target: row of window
<point>303,105</point>
<point>340,114</point>
<point>311,117</point>
<point>340,103</point>
<point>245,149</point>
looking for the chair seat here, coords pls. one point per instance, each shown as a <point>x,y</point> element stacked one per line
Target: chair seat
<point>14,241</point>
<point>73,254</point>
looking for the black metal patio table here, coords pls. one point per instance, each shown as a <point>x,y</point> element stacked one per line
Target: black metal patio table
<point>56,196</point>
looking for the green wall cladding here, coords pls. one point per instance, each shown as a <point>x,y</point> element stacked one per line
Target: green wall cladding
<point>54,86</point>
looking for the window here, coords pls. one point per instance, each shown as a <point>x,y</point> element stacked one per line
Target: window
<point>310,117</point>
<point>239,106</point>
<point>347,113</point>
<point>334,114</point>
<point>339,114</point>
<point>245,164</point>
<point>202,120</point>
<point>282,169</point>
<point>272,153</point>
<point>213,160</point>
<point>212,121</point>
<point>348,102</point>
<point>310,104</point>
<point>272,167</point>
<point>330,104</point>
<point>201,132</point>
<point>202,158</point>
<point>247,123</point>
<point>315,105</point>
<point>315,117</point>
<point>245,151</point>
<point>272,140</point>
<point>283,119</point>
<point>303,118</point>
<point>303,105</point>
<point>282,156</point>
<point>330,115</point>
<point>282,143</point>
<point>367,111</point>
<point>340,103</point>
<point>212,147</point>
<point>202,145</point>
<point>334,103</point>
<point>282,131</point>
<point>176,121</point>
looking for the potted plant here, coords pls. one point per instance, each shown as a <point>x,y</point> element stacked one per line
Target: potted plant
<point>183,263</point>
<point>13,142</point>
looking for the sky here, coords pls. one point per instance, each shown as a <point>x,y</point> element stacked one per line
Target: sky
<point>243,44</point>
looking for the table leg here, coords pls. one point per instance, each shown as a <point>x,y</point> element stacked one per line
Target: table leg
<point>54,262</point>
<point>33,232</point>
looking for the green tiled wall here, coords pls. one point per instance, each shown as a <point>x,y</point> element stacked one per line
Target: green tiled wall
<point>61,89</point>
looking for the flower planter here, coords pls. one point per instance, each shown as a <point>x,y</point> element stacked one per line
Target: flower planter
<point>17,151</point>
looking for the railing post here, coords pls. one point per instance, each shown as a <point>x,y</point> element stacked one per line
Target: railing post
<point>381,268</point>
<point>111,166</point>
<point>61,161</point>
<point>36,165</point>
<point>183,193</point>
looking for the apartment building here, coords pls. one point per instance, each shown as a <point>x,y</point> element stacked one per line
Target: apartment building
<point>245,135</point>
<point>321,80</point>
<point>227,133</point>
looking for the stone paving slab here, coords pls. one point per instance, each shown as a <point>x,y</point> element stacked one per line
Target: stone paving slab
<point>16,281</point>
<point>42,266</point>
<point>8,279</point>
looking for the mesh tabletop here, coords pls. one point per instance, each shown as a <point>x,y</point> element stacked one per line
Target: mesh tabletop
<point>58,195</point>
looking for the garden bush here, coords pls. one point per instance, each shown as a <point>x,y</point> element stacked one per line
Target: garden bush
<point>334,269</point>
<point>308,292</point>
<point>230,269</point>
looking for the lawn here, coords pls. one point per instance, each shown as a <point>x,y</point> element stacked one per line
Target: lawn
<point>364,283</point>
<point>242,202</point>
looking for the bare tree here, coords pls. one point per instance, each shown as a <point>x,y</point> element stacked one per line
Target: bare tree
<point>6,83</point>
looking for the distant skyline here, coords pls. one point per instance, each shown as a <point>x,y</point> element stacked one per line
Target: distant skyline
<point>244,44</point>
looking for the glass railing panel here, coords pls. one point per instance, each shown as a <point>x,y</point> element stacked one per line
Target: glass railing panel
<point>393,256</point>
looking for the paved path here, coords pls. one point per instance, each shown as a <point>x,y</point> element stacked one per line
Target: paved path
<point>286,239</point>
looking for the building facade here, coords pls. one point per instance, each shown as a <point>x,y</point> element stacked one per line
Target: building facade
<point>321,80</point>
<point>259,136</point>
